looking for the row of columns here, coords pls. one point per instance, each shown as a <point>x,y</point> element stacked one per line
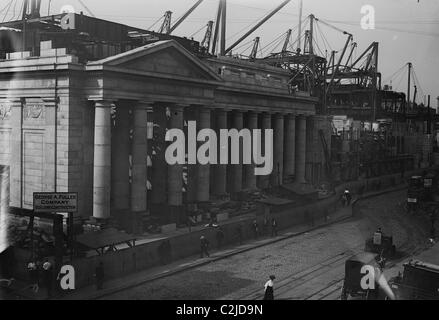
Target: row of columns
<point>121,154</point>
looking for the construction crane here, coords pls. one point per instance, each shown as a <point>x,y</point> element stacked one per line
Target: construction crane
<point>86,8</point>
<point>287,41</point>
<point>166,25</point>
<point>353,47</point>
<point>299,36</point>
<point>272,13</point>
<point>35,7</point>
<point>207,37</point>
<point>410,66</point>
<point>220,24</point>
<point>175,26</point>
<point>337,67</point>
<point>255,48</point>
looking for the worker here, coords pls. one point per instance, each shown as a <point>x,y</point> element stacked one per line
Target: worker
<point>269,289</point>
<point>265,226</point>
<point>32,268</point>
<point>347,198</point>
<point>204,246</point>
<point>273,227</point>
<point>256,229</point>
<point>381,261</point>
<point>48,277</point>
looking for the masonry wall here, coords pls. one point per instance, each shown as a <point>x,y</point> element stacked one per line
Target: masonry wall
<point>315,157</point>
<point>5,133</point>
<point>145,256</point>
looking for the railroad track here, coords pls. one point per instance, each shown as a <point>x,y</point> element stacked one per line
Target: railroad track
<point>302,277</point>
<point>330,289</point>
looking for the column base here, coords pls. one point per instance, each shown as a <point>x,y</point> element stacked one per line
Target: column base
<point>94,224</point>
<point>167,214</point>
<point>137,227</point>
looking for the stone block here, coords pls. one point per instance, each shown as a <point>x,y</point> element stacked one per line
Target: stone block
<point>45,45</point>
<point>17,55</point>
<point>222,217</point>
<point>53,52</point>
<point>169,228</point>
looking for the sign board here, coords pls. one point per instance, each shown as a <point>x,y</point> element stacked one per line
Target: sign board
<point>377,238</point>
<point>428,183</point>
<point>57,202</point>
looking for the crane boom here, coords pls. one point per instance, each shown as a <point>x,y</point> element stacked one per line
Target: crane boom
<point>208,36</point>
<point>175,26</point>
<point>217,26</point>
<point>166,25</point>
<point>287,41</point>
<point>272,13</point>
<point>254,52</point>
<point>299,32</point>
<point>339,63</point>
<point>86,8</point>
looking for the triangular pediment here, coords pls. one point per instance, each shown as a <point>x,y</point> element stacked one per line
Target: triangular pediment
<point>166,58</point>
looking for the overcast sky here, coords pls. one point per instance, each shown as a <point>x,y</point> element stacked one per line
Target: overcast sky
<point>406,30</point>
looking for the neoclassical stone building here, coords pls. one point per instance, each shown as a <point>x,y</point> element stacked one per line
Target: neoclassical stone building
<point>98,128</point>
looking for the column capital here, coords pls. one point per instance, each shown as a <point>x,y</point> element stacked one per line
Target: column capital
<point>180,105</point>
<point>104,103</point>
<point>205,109</point>
<point>12,102</point>
<point>144,105</point>
<point>51,101</point>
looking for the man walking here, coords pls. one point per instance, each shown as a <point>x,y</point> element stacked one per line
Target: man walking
<point>204,246</point>
<point>256,229</point>
<point>48,277</point>
<point>269,289</point>
<point>273,228</point>
<point>265,226</point>
<point>34,276</point>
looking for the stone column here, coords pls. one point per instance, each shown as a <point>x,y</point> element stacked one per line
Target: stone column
<point>16,155</point>
<point>159,166</point>
<point>290,148</point>
<point>139,153</point>
<point>50,140</point>
<point>220,170</point>
<point>203,171</point>
<point>278,150</point>
<point>191,174</point>
<point>102,160</point>
<point>250,178</point>
<point>120,169</point>
<point>175,172</point>
<point>264,181</point>
<point>301,149</point>
<point>236,169</point>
